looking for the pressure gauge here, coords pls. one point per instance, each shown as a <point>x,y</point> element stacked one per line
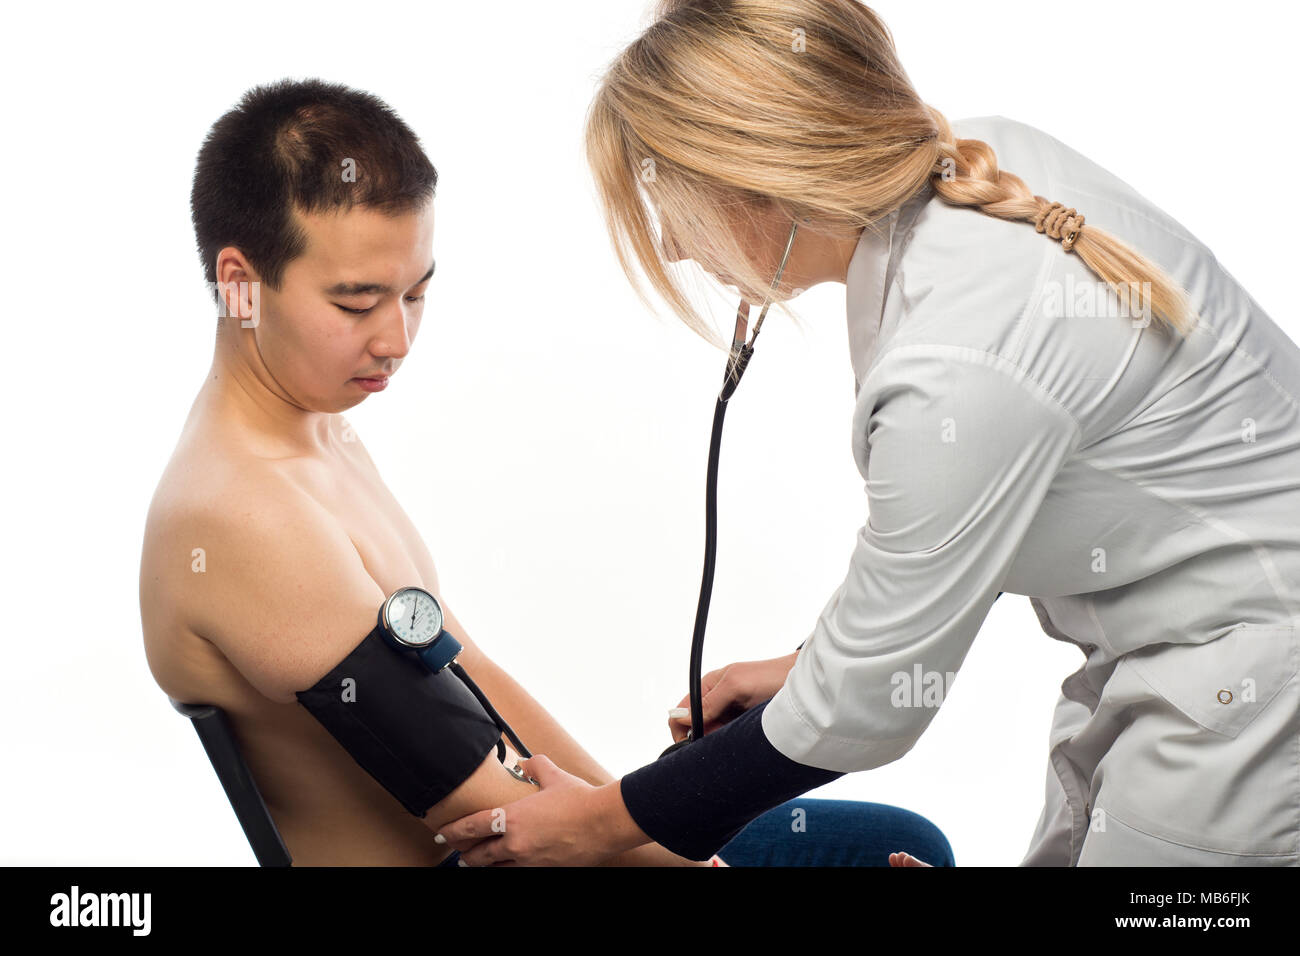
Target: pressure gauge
<point>412,616</point>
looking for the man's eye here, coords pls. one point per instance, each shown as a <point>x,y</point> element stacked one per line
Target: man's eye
<point>409,298</point>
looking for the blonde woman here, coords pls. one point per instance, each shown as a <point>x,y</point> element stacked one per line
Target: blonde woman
<point>1060,394</point>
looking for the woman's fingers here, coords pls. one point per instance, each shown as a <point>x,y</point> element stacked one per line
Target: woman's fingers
<point>487,853</point>
<point>905,859</point>
<point>719,698</point>
<point>467,831</point>
<point>541,768</point>
<point>679,717</point>
<point>679,722</point>
<point>730,691</point>
<point>720,706</point>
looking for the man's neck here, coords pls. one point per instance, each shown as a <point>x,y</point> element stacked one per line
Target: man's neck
<point>251,403</point>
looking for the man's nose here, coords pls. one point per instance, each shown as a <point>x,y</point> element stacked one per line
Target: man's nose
<point>397,332</point>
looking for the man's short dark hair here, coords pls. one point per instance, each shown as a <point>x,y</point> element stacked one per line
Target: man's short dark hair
<point>292,144</point>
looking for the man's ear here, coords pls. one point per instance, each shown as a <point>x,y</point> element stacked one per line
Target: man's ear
<point>239,287</point>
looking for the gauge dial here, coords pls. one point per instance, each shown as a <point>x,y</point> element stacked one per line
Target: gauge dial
<point>413,616</point>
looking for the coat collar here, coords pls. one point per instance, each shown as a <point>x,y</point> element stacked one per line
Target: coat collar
<point>869,270</point>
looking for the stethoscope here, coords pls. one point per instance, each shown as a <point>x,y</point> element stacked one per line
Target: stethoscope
<point>741,351</point>
<point>437,649</point>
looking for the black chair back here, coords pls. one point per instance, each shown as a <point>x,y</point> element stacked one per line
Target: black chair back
<point>223,750</point>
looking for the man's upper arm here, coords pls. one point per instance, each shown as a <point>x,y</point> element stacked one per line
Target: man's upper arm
<point>284,593</point>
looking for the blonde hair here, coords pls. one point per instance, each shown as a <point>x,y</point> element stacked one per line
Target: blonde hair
<point>726,112</point>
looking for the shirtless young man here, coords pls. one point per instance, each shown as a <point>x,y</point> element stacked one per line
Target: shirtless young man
<point>271,540</point>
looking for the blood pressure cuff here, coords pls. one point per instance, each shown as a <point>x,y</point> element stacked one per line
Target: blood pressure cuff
<point>418,733</point>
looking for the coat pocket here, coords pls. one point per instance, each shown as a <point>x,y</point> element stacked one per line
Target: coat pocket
<point>1223,684</point>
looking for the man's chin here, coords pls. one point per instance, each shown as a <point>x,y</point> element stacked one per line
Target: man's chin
<point>343,403</point>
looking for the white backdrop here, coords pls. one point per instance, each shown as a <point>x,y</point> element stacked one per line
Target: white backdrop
<point>559,475</point>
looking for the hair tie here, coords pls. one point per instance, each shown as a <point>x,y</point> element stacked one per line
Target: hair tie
<point>1056,220</point>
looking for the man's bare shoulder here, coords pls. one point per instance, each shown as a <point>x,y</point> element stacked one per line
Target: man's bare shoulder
<point>247,561</point>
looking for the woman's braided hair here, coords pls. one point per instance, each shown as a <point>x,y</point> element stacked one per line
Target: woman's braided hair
<point>966,174</point>
<point>725,111</point>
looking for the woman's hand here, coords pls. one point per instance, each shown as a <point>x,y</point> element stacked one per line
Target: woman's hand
<point>904,859</point>
<point>732,690</point>
<point>569,822</point>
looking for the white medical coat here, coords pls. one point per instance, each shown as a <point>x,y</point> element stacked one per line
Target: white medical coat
<point>1142,489</point>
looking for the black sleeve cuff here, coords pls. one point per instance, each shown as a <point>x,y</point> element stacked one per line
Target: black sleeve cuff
<point>694,800</point>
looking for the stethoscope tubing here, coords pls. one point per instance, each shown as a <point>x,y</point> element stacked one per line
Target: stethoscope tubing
<point>737,362</point>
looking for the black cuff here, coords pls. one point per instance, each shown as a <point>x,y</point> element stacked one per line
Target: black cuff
<point>694,800</point>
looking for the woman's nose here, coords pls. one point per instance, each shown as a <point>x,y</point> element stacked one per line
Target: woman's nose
<point>671,249</point>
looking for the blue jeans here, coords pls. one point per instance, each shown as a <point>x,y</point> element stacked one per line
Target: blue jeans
<point>814,832</point>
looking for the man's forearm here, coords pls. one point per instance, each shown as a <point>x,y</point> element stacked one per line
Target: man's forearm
<point>543,734</point>
<point>537,729</point>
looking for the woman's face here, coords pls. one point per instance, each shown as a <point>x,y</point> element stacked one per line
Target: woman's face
<point>763,236</point>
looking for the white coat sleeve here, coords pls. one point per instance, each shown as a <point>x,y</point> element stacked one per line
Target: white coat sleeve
<point>961,449</point>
